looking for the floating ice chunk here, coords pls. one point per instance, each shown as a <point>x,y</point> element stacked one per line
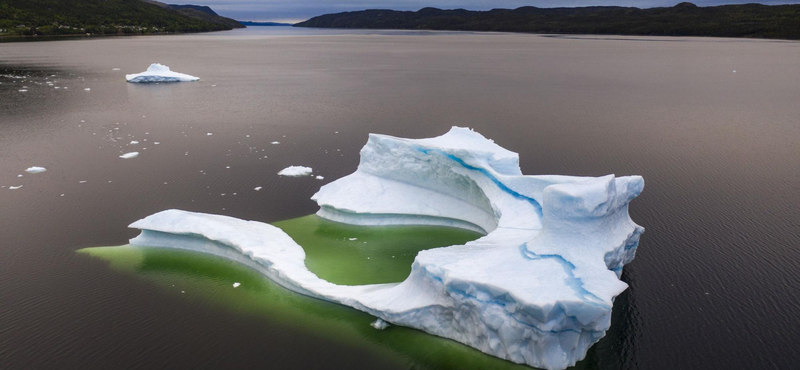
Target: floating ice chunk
<point>351,239</point>
<point>319,178</point>
<point>129,155</point>
<point>159,73</point>
<point>115,69</point>
<point>134,142</point>
<point>275,142</point>
<point>23,90</point>
<point>257,188</point>
<point>14,187</point>
<point>537,288</point>
<point>295,171</point>
<point>209,134</point>
<point>379,324</point>
<point>35,169</point>
<point>82,182</point>
<point>87,89</point>
<point>236,284</point>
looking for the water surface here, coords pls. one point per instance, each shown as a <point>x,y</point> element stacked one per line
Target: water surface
<point>711,124</point>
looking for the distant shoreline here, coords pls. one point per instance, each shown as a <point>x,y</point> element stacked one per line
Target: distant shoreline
<point>34,38</point>
<point>748,21</point>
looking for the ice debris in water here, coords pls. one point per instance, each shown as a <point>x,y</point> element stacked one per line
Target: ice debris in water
<point>14,187</point>
<point>236,284</point>
<point>536,289</point>
<point>159,73</point>
<point>129,155</point>
<point>295,171</point>
<point>35,169</point>
<point>134,142</point>
<point>379,324</point>
<point>275,142</point>
<point>257,188</point>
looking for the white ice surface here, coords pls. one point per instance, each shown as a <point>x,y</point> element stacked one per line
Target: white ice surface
<point>35,169</point>
<point>536,289</point>
<point>295,171</point>
<point>159,73</point>
<point>129,155</point>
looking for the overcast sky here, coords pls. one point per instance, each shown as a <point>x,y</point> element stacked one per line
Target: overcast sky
<point>299,10</point>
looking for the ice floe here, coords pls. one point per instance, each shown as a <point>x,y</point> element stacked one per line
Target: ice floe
<point>129,155</point>
<point>379,324</point>
<point>35,169</point>
<point>295,171</point>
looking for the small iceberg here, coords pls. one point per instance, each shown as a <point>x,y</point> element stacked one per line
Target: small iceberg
<point>295,171</point>
<point>159,73</point>
<point>14,187</point>
<point>129,155</point>
<point>35,169</point>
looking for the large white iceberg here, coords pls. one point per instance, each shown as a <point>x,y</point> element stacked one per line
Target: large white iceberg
<point>159,73</point>
<point>536,289</point>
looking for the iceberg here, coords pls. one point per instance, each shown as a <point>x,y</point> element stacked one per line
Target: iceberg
<point>159,73</point>
<point>536,289</point>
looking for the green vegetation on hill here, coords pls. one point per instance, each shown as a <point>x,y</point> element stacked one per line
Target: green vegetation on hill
<point>104,17</point>
<point>684,19</point>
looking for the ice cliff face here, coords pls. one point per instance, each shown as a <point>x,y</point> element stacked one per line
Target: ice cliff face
<point>159,73</point>
<point>537,289</point>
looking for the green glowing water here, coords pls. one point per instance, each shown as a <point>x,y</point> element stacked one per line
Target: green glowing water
<point>379,254</point>
<point>333,256</point>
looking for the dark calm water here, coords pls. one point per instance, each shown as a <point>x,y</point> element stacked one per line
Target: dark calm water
<point>715,285</point>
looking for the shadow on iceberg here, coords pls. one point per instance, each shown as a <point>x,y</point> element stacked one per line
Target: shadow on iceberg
<point>536,289</point>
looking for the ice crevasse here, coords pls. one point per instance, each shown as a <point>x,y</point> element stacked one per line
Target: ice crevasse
<point>536,289</point>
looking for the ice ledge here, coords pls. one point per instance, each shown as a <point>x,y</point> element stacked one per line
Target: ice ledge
<point>537,289</point>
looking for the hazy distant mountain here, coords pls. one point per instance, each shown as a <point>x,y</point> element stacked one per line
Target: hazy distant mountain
<point>264,24</point>
<point>61,17</point>
<point>684,19</point>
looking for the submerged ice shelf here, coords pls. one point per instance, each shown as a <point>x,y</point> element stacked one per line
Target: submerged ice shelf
<point>159,73</point>
<point>537,288</point>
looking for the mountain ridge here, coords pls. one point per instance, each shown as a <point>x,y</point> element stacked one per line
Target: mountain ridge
<point>105,17</point>
<point>683,19</point>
